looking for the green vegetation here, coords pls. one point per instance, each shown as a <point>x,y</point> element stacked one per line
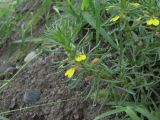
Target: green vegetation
<point>111,44</point>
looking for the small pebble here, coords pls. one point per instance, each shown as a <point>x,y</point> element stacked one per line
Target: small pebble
<point>31,96</point>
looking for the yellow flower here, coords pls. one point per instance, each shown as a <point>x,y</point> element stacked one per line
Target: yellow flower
<point>114,19</point>
<point>153,21</point>
<point>70,72</point>
<point>80,57</point>
<point>134,4</point>
<point>149,22</point>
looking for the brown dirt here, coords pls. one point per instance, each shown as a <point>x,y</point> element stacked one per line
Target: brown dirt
<point>40,74</point>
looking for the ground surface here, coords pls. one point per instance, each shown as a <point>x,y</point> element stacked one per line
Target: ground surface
<point>41,75</point>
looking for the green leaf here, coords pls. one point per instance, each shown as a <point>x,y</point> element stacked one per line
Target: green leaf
<point>1,13</point>
<point>146,113</point>
<point>42,10</point>
<point>118,110</point>
<point>85,4</point>
<point>158,113</point>
<point>131,113</point>
<point>98,21</point>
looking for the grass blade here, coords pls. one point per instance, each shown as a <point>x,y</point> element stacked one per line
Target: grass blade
<point>118,110</point>
<point>146,113</point>
<point>131,113</point>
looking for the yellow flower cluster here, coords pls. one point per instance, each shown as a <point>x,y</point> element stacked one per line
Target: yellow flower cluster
<point>70,72</point>
<point>153,21</point>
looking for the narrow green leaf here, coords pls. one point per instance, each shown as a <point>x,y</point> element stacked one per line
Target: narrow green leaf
<point>42,10</point>
<point>98,20</point>
<point>118,110</point>
<point>123,89</point>
<point>85,4</point>
<point>158,113</point>
<point>131,113</point>
<point>146,113</point>
<point>92,22</point>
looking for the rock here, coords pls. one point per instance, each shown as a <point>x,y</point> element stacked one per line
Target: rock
<point>30,56</point>
<point>6,71</point>
<point>31,96</point>
<point>12,104</point>
<point>7,67</point>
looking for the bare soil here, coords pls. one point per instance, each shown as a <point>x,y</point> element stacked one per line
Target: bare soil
<point>61,103</point>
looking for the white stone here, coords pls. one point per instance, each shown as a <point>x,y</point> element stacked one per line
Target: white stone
<point>30,56</point>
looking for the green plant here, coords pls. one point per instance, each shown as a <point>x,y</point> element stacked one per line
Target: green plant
<point>116,33</point>
<point>111,44</point>
<point>131,113</point>
<point>6,10</point>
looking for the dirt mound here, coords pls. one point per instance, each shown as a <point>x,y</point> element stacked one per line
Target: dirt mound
<point>60,102</point>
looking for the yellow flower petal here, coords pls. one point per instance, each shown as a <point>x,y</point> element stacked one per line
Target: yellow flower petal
<point>80,57</point>
<point>114,19</point>
<point>155,22</point>
<point>149,22</point>
<point>70,72</point>
<point>83,57</point>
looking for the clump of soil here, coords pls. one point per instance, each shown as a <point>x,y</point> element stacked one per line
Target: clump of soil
<point>41,75</point>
